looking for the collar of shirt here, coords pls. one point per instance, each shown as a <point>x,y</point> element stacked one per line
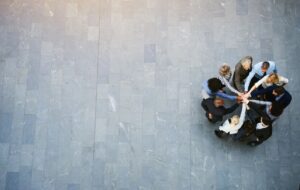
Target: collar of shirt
<point>278,97</point>
<point>257,68</point>
<point>260,126</point>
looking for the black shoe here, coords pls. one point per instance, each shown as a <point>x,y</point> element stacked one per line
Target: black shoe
<point>218,133</point>
<point>252,143</point>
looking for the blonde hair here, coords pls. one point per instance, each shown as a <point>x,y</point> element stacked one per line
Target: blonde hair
<point>235,118</point>
<point>274,78</point>
<point>224,70</point>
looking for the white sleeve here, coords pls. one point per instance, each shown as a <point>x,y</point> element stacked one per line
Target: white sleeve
<point>261,102</point>
<point>242,117</point>
<point>248,79</point>
<point>258,83</point>
<point>227,84</point>
<point>283,80</point>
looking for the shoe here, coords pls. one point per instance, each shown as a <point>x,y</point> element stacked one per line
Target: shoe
<point>218,133</point>
<point>252,144</point>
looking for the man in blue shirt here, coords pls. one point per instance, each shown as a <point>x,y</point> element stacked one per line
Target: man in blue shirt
<point>259,70</point>
<point>213,87</point>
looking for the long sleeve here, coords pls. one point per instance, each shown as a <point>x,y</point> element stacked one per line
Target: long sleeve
<point>258,83</point>
<point>226,127</point>
<point>261,102</point>
<point>248,79</point>
<point>227,84</point>
<point>226,96</point>
<point>231,109</point>
<point>282,81</point>
<point>237,78</point>
<point>242,117</point>
<point>256,108</point>
<point>263,91</point>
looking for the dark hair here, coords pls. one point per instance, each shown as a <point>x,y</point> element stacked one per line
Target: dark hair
<point>265,65</point>
<point>276,109</point>
<point>279,90</point>
<point>267,121</point>
<point>214,85</point>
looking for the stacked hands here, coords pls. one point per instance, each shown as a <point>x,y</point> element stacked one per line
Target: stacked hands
<point>243,97</point>
<point>258,81</point>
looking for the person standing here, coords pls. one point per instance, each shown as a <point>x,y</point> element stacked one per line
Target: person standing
<point>214,87</point>
<point>225,76</point>
<point>259,71</point>
<point>215,109</point>
<point>242,70</point>
<point>263,131</point>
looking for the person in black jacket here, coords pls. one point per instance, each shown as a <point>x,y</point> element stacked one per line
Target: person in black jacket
<point>215,109</point>
<point>275,93</point>
<point>263,131</point>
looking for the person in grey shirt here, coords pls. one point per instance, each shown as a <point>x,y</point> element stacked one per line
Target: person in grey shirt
<point>242,70</point>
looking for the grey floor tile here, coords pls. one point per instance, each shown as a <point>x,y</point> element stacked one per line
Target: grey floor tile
<point>104,94</point>
<point>12,181</point>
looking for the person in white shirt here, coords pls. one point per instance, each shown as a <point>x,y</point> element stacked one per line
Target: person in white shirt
<point>268,81</point>
<point>231,126</point>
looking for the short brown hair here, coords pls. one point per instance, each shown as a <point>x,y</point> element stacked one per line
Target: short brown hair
<point>279,90</point>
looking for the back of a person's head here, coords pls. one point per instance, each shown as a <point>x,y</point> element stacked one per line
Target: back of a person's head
<point>279,90</point>
<point>266,121</point>
<point>276,109</point>
<point>218,102</point>
<point>265,65</point>
<point>245,59</point>
<point>224,70</point>
<point>246,62</point>
<point>214,84</point>
<point>235,119</point>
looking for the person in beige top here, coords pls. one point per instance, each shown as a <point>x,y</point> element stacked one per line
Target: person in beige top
<point>267,81</point>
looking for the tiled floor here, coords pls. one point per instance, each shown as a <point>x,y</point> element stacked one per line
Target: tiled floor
<point>105,94</point>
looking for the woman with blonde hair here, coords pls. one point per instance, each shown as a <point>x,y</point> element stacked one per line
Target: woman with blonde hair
<point>231,126</point>
<point>225,75</point>
<point>268,81</point>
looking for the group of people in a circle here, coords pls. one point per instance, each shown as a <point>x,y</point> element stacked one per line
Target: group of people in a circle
<point>258,88</point>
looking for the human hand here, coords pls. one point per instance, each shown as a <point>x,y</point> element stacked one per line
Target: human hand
<point>245,100</point>
<point>247,95</point>
<point>239,99</point>
<point>210,116</point>
<point>240,94</point>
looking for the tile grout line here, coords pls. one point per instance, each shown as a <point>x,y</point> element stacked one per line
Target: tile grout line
<point>96,93</point>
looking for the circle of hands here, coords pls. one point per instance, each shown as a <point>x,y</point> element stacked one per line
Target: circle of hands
<point>243,97</point>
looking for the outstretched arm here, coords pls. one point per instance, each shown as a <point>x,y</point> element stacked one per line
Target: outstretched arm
<point>248,79</point>
<point>227,84</point>
<point>226,96</point>
<point>261,102</point>
<point>256,85</point>
<point>231,109</point>
<point>263,91</point>
<point>242,116</point>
